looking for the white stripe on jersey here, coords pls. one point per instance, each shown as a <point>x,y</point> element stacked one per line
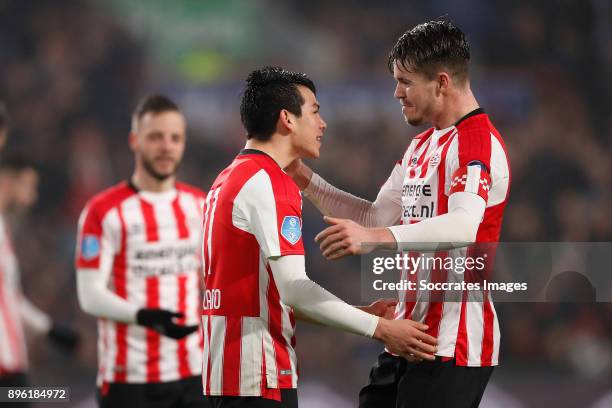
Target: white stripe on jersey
<point>217,342</point>
<point>288,334</point>
<point>250,356</point>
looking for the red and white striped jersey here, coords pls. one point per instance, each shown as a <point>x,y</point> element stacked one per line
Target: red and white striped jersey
<point>13,351</point>
<point>149,244</point>
<point>253,212</point>
<point>469,156</point>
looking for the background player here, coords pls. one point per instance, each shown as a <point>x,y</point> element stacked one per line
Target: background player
<point>138,270</point>
<point>18,192</point>
<point>459,169</point>
<point>254,256</point>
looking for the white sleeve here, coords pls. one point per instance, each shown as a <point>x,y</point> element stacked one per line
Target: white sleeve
<point>94,296</point>
<point>384,211</point>
<point>274,219</point>
<point>310,299</point>
<point>454,229</point>
<point>34,318</point>
<point>96,299</point>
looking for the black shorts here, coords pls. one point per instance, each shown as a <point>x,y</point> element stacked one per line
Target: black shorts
<point>288,400</point>
<point>185,393</point>
<point>397,383</point>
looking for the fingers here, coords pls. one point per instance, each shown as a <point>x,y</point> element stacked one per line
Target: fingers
<point>333,248</point>
<point>178,332</point>
<point>426,338</point>
<point>421,354</point>
<point>427,348</point>
<point>339,254</point>
<point>417,325</point>
<point>327,232</point>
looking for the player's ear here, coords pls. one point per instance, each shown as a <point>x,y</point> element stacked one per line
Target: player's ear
<point>132,141</point>
<point>443,82</point>
<point>286,121</point>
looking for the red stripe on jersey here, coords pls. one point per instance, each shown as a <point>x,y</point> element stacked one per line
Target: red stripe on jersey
<point>275,325</point>
<point>420,160</point>
<point>487,338</point>
<point>150,221</point>
<point>181,222</point>
<point>232,353</point>
<point>182,353</point>
<point>436,302</point>
<point>442,197</point>
<point>11,326</point>
<point>120,284</point>
<point>153,337</point>
<point>461,347</point>
<point>474,142</point>
<point>206,255</point>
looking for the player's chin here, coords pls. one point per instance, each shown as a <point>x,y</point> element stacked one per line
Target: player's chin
<point>313,153</point>
<point>414,121</point>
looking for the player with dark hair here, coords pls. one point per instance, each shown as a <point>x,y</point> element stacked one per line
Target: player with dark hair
<point>448,190</point>
<point>254,269</point>
<point>18,192</point>
<point>138,269</point>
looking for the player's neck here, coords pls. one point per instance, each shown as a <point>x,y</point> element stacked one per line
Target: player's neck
<point>459,105</point>
<point>146,182</point>
<point>281,152</point>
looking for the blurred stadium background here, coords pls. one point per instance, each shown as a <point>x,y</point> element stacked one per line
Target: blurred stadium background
<point>73,69</point>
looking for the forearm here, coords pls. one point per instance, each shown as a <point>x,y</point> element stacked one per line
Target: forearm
<point>330,200</point>
<point>315,303</point>
<point>96,299</point>
<point>454,229</point>
<point>34,318</point>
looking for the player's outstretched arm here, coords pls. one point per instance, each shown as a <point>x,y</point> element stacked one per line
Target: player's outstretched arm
<point>405,338</point>
<point>60,334</point>
<point>329,200</point>
<point>96,299</point>
<point>454,229</point>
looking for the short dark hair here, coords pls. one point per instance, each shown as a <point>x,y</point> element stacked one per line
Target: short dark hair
<point>5,121</point>
<point>15,162</point>
<point>268,91</point>
<point>430,46</point>
<point>155,103</point>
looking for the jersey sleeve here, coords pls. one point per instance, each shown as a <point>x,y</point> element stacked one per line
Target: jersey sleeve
<point>468,163</point>
<point>267,207</point>
<point>96,240</point>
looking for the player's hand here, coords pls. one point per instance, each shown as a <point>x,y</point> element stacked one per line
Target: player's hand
<point>63,337</point>
<point>162,321</point>
<point>407,339</point>
<point>346,237</point>
<point>300,173</point>
<point>382,307</point>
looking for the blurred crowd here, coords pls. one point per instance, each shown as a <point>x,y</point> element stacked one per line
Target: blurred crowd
<point>72,72</point>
